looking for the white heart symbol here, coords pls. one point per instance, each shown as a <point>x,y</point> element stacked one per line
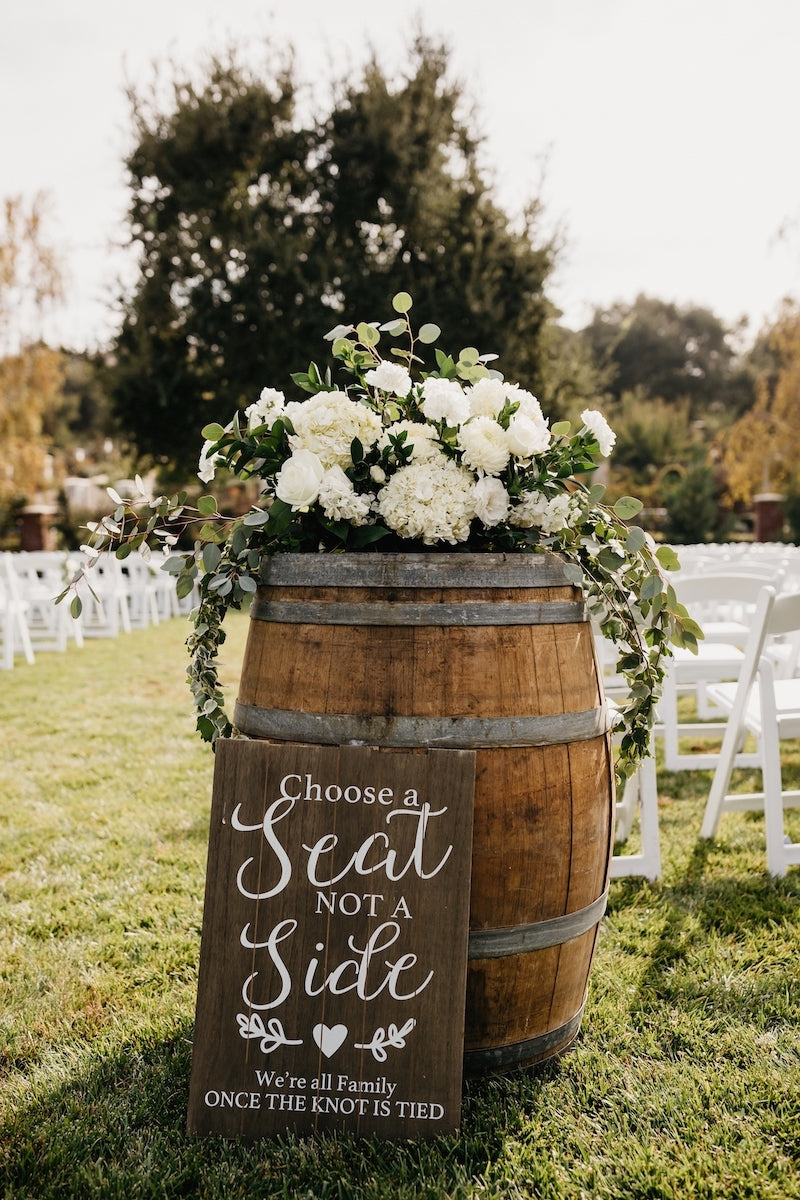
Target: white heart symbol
<point>329,1038</point>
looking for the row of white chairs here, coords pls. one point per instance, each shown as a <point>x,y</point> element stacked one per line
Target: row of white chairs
<point>744,680</point>
<point>116,597</point>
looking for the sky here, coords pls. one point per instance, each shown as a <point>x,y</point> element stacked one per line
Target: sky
<point>660,134</point>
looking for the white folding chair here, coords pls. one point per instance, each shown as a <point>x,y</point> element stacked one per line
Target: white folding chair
<point>723,605</point>
<point>41,575</point>
<point>639,794</point>
<point>769,709</point>
<point>13,617</point>
<point>105,598</point>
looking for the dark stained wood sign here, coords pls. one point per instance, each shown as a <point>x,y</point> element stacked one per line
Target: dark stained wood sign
<point>334,948</point>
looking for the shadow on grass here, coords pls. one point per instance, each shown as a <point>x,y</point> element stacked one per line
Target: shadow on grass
<point>115,1130</point>
<point>719,944</point>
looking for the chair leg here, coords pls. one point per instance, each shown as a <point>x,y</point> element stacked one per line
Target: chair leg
<point>644,788</point>
<point>722,777</point>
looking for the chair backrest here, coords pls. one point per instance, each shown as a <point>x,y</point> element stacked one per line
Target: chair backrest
<point>723,586</point>
<point>785,615</point>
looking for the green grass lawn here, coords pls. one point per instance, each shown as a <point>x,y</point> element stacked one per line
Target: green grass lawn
<point>684,1082</point>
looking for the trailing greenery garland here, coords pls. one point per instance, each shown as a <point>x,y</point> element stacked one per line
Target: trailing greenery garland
<point>402,458</point>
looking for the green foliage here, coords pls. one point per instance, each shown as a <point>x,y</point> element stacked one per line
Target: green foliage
<point>538,501</point>
<point>693,500</point>
<point>672,353</point>
<point>684,1081</point>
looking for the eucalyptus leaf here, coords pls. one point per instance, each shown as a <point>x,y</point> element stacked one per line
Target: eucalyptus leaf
<point>213,432</point>
<point>429,333</point>
<point>211,557</point>
<point>402,302</point>
<point>635,540</point>
<point>627,507</point>
<point>207,506</point>
<point>255,519</point>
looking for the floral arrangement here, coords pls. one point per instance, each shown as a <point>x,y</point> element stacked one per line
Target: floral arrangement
<point>404,458</point>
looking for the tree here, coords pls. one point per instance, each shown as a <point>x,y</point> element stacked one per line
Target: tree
<point>760,452</point>
<point>222,213</point>
<point>257,235</point>
<point>406,208</point>
<point>31,372</point>
<point>653,439</point>
<point>672,353</point>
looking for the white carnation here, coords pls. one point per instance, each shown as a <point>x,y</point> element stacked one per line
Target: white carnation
<point>527,437</point>
<point>266,409</point>
<point>484,444</point>
<point>597,425</point>
<point>491,500</point>
<point>431,501</point>
<point>339,500</point>
<point>390,377</point>
<point>298,481</point>
<point>529,406</point>
<point>327,424</point>
<point>445,400</point>
<point>487,397</point>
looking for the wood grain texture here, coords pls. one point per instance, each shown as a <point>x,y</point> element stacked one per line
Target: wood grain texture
<point>347,870</point>
<point>543,826</point>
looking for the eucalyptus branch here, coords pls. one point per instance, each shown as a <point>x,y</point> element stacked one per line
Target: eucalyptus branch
<point>410,458</point>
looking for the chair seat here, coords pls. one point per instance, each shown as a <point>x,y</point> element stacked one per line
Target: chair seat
<point>787,705</point>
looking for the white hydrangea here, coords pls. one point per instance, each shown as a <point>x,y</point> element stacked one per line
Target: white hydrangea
<point>298,481</point>
<point>487,396</point>
<point>445,400</point>
<point>266,409</point>
<point>429,501</point>
<point>340,501</point>
<point>421,439</point>
<point>491,501</point>
<point>596,423</point>
<point>550,515</point>
<point>390,377</point>
<point>527,436</point>
<point>327,423</point>
<point>484,444</point>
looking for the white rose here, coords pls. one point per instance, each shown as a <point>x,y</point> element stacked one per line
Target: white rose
<point>597,425</point>
<point>390,377</point>
<point>491,500</point>
<point>484,444</point>
<point>298,481</point>
<point>526,437</point>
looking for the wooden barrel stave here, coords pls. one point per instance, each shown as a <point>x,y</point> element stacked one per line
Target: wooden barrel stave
<point>543,825</point>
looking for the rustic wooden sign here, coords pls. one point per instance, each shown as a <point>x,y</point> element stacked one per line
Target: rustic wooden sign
<point>334,947</point>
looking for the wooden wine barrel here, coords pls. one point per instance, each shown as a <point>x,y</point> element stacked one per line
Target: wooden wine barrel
<point>476,651</point>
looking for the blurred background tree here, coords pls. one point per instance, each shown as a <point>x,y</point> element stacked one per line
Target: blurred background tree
<point>761,450</point>
<point>257,234</point>
<point>674,353</point>
<point>31,372</point>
